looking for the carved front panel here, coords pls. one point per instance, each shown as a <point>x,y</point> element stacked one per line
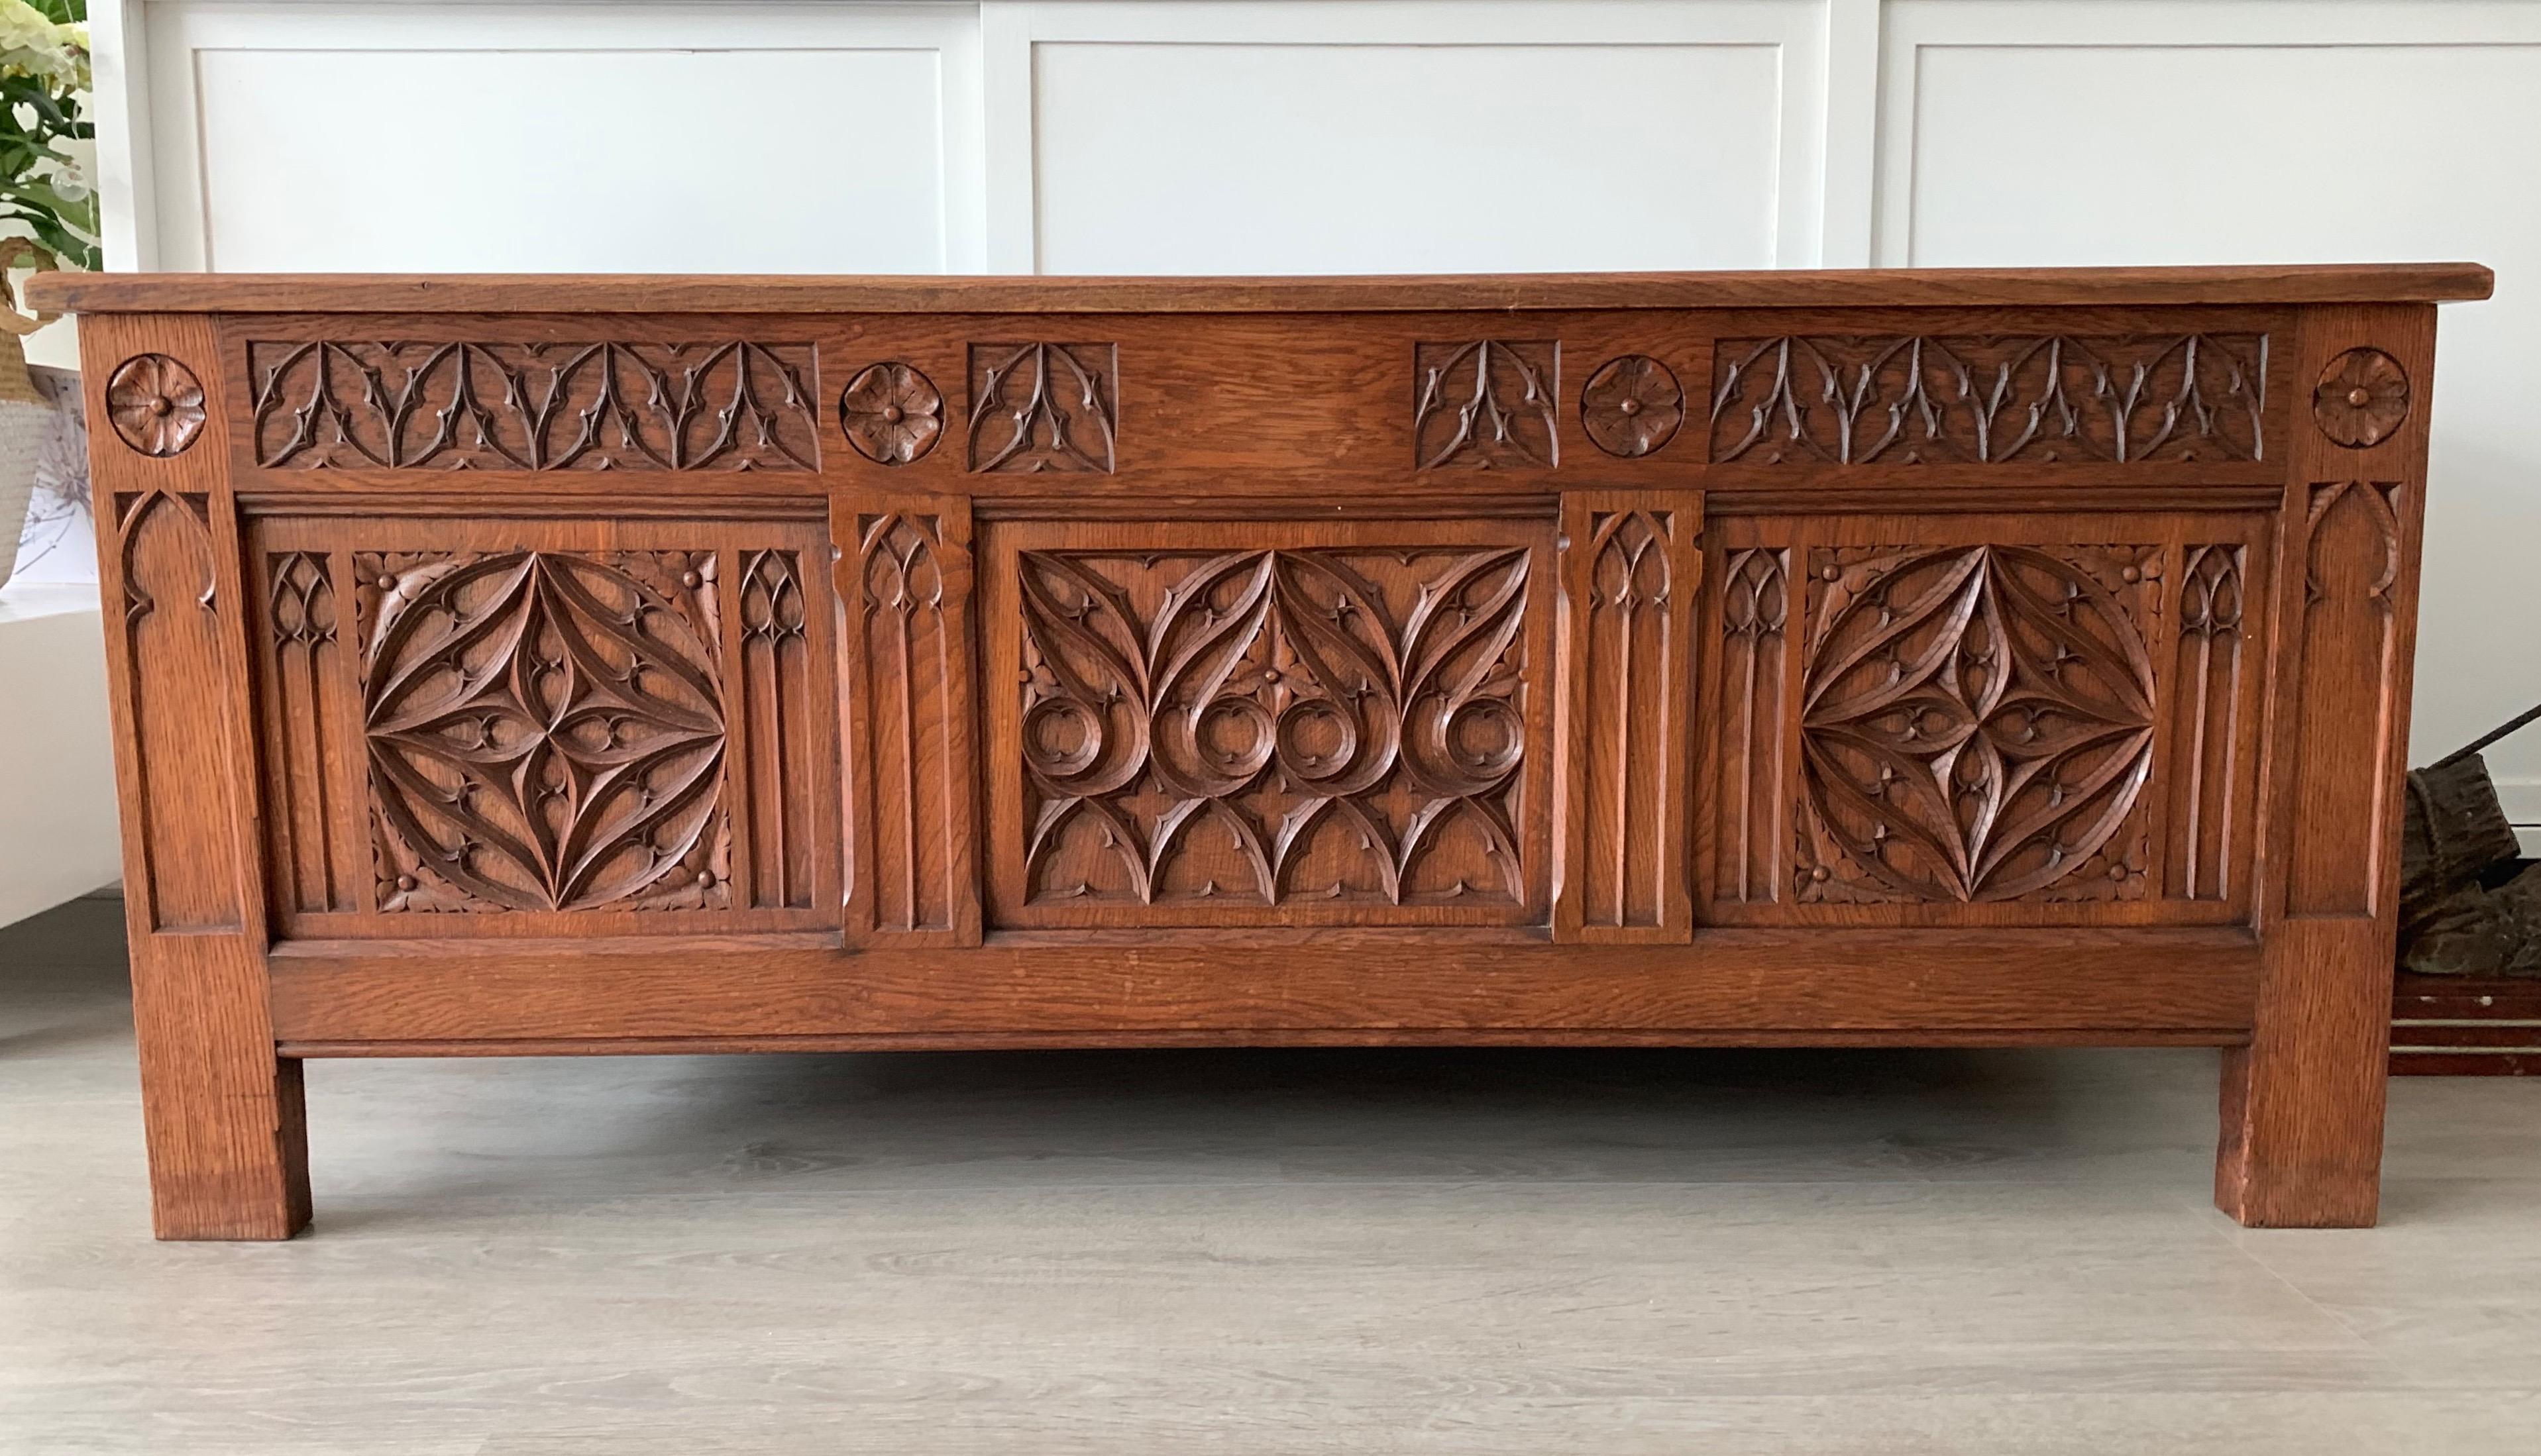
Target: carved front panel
<point>1269,724</point>
<point>2048,720</point>
<point>517,730</point>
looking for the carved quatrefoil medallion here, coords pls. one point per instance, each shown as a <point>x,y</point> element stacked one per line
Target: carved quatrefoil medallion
<point>1977,721</point>
<point>156,403</point>
<point>546,730</point>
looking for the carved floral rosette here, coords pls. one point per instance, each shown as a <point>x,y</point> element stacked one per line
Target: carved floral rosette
<point>2362,397</point>
<point>1271,726</point>
<point>1631,405</point>
<point>155,405</point>
<point>1976,724</point>
<point>892,413</point>
<point>546,730</point>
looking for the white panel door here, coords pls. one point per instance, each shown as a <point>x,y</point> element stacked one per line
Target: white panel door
<point>726,138</point>
<point>2101,132</point>
<point>1394,137</point>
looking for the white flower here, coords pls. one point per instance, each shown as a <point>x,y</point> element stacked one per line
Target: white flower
<point>32,46</point>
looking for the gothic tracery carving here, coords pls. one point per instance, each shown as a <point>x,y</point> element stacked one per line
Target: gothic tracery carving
<point>1976,723</point>
<point>348,403</point>
<point>1348,725</point>
<point>1915,399</point>
<point>546,730</point>
<point>1487,405</point>
<point>1038,408</point>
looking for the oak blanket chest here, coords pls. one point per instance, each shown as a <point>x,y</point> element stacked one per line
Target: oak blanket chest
<point>537,664</point>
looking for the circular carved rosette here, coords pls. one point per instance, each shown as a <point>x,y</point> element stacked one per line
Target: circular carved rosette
<point>1977,724</point>
<point>2362,397</point>
<point>155,405</point>
<point>892,413</point>
<point>1631,405</point>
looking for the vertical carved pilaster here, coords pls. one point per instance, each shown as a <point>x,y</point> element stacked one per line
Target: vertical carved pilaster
<point>2343,703</point>
<point>1755,649</point>
<point>904,574</point>
<point>223,1115</point>
<point>1629,571</point>
<point>772,700</point>
<point>2213,671</point>
<point>306,705</point>
<point>176,678</point>
<point>2302,1102</point>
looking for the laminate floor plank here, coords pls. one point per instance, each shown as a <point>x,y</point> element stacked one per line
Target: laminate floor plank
<point>1447,1252</point>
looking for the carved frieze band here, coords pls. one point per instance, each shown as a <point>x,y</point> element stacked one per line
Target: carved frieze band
<point>546,730</point>
<point>1629,565</point>
<point>908,587</point>
<point>1755,649</point>
<point>1257,728</point>
<point>1976,723</point>
<point>1487,405</point>
<point>1040,408</point>
<point>176,684</point>
<point>347,403</point>
<point>1917,399</point>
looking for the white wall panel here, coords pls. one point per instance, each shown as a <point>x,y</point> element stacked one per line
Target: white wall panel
<point>501,138</point>
<point>1410,137</point>
<point>1307,158</point>
<point>2109,131</point>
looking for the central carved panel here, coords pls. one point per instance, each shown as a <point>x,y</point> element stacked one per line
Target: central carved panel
<point>1976,723</point>
<point>1330,726</point>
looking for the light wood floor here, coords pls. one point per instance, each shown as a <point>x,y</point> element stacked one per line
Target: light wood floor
<point>1291,1252</point>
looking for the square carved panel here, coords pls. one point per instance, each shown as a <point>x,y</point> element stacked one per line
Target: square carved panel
<point>1043,407</point>
<point>1269,723</point>
<point>1926,721</point>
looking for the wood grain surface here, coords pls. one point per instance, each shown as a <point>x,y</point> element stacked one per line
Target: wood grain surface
<point>1793,288</point>
<point>1962,657</point>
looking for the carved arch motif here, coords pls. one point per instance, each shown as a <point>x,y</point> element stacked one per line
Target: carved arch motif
<point>1043,408</point>
<point>1488,404</point>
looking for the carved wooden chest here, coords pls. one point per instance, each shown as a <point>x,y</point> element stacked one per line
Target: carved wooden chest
<point>526,665</point>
